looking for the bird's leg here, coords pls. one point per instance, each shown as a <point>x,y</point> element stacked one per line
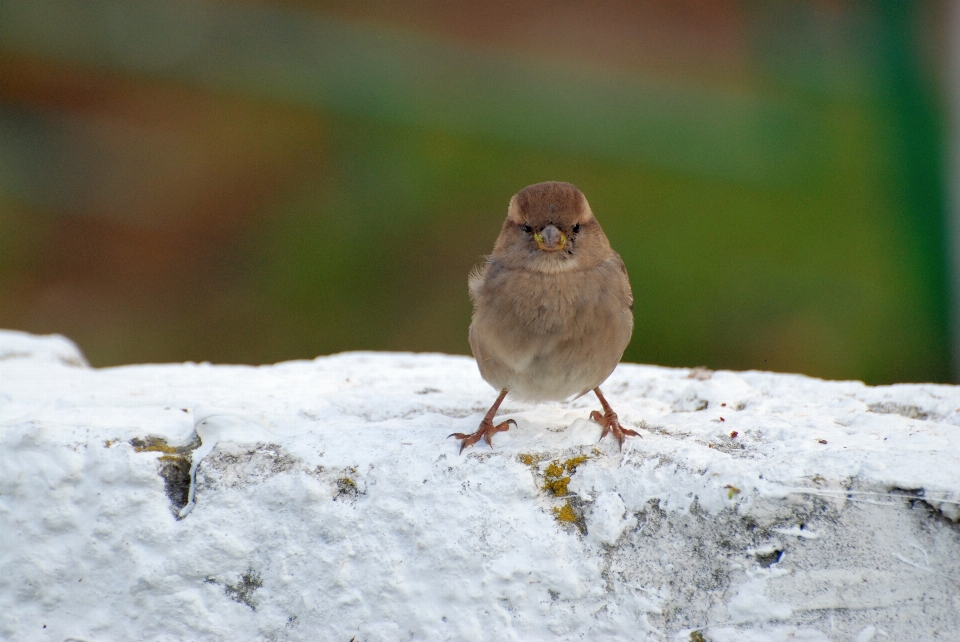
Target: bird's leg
<point>486,429</point>
<point>610,422</point>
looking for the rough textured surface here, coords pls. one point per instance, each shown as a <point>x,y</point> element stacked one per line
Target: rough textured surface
<point>328,504</point>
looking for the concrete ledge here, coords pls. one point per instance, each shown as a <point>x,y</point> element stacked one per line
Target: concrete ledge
<point>329,504</point>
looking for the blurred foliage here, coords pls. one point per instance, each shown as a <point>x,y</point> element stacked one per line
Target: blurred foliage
<point>788,219</point>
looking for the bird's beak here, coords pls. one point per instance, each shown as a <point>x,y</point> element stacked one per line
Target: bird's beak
<point>550,239</point>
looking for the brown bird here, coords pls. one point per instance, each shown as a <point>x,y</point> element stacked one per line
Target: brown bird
<point>552,307</point>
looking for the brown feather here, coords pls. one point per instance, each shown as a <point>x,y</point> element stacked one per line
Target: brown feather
<point>550,325</point>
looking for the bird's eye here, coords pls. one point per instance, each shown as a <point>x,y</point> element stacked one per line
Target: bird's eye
<point>576,228</point>
<point>527,228</point>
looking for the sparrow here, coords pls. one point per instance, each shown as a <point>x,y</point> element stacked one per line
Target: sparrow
<point>552,307</point>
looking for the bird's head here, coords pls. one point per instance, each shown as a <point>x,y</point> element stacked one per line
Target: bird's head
<point>550,228</point>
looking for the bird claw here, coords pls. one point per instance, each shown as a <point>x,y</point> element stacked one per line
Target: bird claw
<point>485,431</point>
<point>611,424</point>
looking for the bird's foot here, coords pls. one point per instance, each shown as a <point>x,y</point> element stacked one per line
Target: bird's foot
<point>486,430</point>
<point>611,424</point>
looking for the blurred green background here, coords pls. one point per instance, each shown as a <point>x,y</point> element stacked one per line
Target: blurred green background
<point>260,181</point>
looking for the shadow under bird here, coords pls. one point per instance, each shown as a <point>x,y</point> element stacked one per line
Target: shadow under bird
<point>552,307</point>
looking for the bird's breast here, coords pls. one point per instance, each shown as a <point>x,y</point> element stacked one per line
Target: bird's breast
<point>552,334</point>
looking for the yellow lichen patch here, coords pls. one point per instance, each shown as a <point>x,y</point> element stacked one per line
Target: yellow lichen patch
<point>173,465</point>
<point>731,491</point>
<point>556,487</point>
<point>555,479</point>
<point>555,469</point>
<point>346,487</point>
<point>565,514</point>
<point>529,460</point>
<point>571,464</point>
<point>153,445</point>
<point>571,513</point>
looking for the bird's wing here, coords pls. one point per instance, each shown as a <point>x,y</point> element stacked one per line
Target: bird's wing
<point>475,280</point>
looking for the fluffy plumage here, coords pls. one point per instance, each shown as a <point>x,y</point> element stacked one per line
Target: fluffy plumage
<point>553,311</point>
